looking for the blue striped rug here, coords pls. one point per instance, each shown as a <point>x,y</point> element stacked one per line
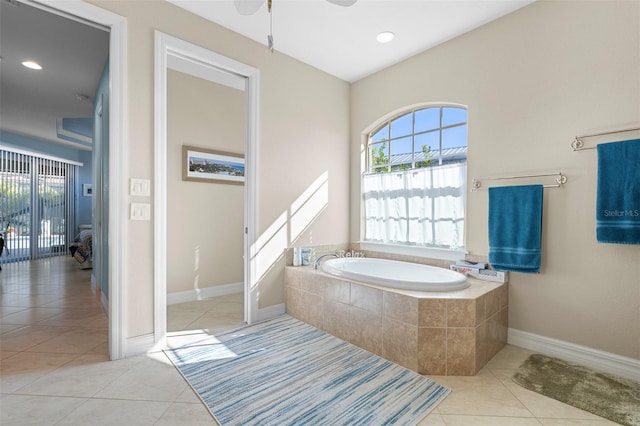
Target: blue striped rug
<point>286,372</point>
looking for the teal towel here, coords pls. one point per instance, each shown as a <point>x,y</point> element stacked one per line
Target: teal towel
<point>515,228</point>
<point>618,196</point>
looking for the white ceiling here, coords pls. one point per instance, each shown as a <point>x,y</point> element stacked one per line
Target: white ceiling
<point>72,55</point>
<point>338,40</point>
<point>342,40</point>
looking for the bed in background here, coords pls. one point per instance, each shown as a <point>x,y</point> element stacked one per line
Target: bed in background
<point>81,248</point>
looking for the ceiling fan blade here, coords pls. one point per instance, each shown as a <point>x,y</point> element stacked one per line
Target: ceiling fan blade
<point>345,3</point>
<point>247,7</point>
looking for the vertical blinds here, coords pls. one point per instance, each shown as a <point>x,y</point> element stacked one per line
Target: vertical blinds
<point>37,209</point>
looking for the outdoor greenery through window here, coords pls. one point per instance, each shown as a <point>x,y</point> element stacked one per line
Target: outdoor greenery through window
<point>415,184</point>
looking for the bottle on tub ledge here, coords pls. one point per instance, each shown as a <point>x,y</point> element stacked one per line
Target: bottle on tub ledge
<point>297,256</point>
<point>306,254</point>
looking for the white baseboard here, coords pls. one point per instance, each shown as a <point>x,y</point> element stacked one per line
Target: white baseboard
<point>204,293</point>
<point>139,345</point>
<point>599,360</point>
<point>271,312</point>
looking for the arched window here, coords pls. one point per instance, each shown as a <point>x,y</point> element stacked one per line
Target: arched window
<point>415,185</point>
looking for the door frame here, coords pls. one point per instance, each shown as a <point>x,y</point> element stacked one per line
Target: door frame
<point>169,49</point>
<point>118,158</point>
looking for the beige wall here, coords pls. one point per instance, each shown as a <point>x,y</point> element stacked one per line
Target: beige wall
<point>204,236</point>
<point>304,131</point>
<point>532,81</point>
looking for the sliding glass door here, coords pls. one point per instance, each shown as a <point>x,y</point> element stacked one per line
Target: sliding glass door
<point>36,206</point>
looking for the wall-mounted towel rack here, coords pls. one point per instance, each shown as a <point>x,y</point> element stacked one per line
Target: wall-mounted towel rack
<point>578,143</point>
<point>561,179</point>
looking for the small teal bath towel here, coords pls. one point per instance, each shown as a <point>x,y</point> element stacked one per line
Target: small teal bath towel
<point>515,228</point>
<point>618,195</point>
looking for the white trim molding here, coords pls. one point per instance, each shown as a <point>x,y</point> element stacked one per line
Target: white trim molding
<point>139,345</point>
<point>271,311</point>
<point>599,360</point>
<point>204,293</point>
<point>172,52</point>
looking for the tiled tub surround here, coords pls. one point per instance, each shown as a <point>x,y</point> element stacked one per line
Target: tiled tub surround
<point>435,333</point>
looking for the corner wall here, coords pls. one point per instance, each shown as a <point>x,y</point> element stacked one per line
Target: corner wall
<point>532,80</point>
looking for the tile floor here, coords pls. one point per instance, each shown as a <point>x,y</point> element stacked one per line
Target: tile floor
<point>54,367</point>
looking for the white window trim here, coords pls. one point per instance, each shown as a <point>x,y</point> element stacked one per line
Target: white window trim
<point>416,251</point>
<point>401,249</point>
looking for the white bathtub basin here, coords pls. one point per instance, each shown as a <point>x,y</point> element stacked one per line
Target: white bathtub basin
<point>396,274</point>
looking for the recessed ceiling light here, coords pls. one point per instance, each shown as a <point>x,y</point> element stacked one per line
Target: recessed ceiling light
<point>385,37</point>
<point>32,65</point>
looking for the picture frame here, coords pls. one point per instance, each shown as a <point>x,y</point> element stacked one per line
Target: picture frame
<point>212,166</point>
<point>87,189</point>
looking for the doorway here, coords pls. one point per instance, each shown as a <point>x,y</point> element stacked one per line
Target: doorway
<point>117,252</point>
<point>186,60</point>
<point>205,212</point>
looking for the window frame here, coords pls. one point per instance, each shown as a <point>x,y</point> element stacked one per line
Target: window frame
<point>370,168</point>
<point>426,251</point>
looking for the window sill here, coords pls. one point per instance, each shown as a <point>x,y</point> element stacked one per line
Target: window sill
<point>427,252</point>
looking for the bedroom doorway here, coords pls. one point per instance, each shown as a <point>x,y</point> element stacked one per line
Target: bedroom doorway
<point>115,27</point>
<point>229,145</point>
<point>205,216</point>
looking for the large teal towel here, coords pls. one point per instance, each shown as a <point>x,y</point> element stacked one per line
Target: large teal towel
<point>515,228</point>
<point>618,197</point>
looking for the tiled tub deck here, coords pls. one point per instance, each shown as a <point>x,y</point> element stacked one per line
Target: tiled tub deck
<point>437,333</point>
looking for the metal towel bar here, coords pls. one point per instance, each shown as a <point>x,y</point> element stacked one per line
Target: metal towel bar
<point>578,143</point>
<point>561,179</point>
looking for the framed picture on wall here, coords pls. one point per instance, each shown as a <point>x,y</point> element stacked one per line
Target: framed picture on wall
<point>207,165</point>
<point>87,189</point>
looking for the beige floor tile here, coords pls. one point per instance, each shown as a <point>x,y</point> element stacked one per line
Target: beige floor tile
<point>25,368</point>
<point>31,315</point>
<point>189,396</point>
<point>483,401</point>
<point>433,419</point>
<point>5,328</point>
<point>22,410</point>
<point>80,318</point>
<point>185,414</point>
<point>510,357</point>
<point>149,380</point>
<point>489,421</point>
<point>576,422</point>
<point>116,412</point>
<point>541,406</point>
<point>7,354</point>
<point>179,320</point>
<point>27,337</point>
<point>73,341</point>
<point>8,310</point>
<point>82,377</point>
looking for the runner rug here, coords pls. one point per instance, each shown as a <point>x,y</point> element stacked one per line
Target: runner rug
<point>286,372</point>
<point>602,394</point>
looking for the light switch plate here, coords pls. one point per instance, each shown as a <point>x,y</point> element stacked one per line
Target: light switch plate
<point>140,187</point>
<point>140,211</point>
